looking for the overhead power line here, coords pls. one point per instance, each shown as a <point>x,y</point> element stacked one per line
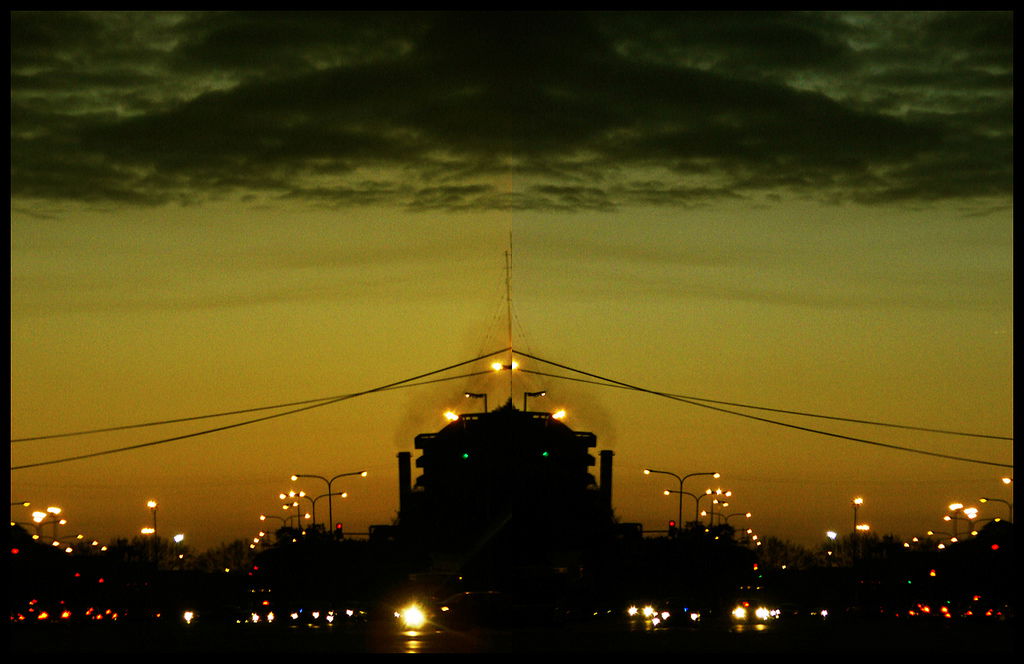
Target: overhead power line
<point>602,382</point>
<point>309,404</point>
<point>192,418</point>
<point>618,383</point>
<point>774,410</point>
<point>317,404</point>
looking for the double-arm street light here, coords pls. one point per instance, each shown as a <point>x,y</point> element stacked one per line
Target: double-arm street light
<point>52,514</point>
<point>648,471</point>
<point>717,498</point>
<point>330,492</point>
<point>298,514</point>
<point>1008,504</point>
<point>969,514</point>
<point>294,496</point>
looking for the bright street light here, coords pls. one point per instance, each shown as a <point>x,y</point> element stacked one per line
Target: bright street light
<point>330,492</point>
<point>857,502</point>
<point>152,506</point>
<point>999,500</point>
<point>681,480</point>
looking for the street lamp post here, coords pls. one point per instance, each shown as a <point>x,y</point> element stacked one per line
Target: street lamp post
<point>479,395</point>
<point>328,496</point>
<point>152,507</point>
<point>284,521</point>
<point>531,394</point>
<point>297,516</point>
<point>53,515</point>
<point>669,492</point>
<point>708,492</point>
<point>968,515</point>
<point>857,502</point>
<point>155,542</point>
<point>648,471</point>
<point>330,482</point>
<point>1008,504</point>
<point>718,500</point>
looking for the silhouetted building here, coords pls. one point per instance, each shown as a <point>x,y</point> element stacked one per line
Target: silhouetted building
<point>505,493</point>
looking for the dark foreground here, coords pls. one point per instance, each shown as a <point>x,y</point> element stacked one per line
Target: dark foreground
<point>585,637</point>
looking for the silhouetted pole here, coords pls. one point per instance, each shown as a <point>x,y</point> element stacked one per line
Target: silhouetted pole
<point>1008,504</point>
<point>531,394</point>
<point>474,395</point>
<point>330,501</point>
<point>648,471</point>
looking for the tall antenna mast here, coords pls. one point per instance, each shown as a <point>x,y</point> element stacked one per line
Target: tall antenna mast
<point>508,311</point>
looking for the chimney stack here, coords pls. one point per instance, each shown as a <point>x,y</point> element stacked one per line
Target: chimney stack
<point>404,479</point>
<point>606,477</point>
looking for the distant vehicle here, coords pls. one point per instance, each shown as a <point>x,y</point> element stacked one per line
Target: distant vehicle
<point>753,613</point>
<point>459,612</point>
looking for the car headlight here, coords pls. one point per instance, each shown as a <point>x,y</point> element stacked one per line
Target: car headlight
<point>412,616</point>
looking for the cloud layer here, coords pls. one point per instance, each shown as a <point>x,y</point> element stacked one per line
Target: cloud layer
<point>521,110</point>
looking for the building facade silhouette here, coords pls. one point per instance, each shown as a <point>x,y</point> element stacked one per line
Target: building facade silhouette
<point>505,495</point>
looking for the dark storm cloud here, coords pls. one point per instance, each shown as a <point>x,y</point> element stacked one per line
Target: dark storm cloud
<point>435,110</point>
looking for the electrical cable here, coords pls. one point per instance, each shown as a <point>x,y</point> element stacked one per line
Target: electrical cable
<point>192,418</point>
<point>255,420</point>
<point>777,410</point>
<point>762,419</point>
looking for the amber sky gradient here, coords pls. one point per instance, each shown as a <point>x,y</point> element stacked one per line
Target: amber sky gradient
<point>802,211</point>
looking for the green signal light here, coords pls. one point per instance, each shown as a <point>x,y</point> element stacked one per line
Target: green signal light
<point>465,455</point>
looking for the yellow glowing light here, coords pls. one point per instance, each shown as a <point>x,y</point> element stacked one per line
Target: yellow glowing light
<point>451,416</point>
<point>413,617</point>
<point>558,414</point>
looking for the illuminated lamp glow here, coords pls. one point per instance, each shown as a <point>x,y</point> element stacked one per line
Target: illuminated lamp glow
<point>413,617</point>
